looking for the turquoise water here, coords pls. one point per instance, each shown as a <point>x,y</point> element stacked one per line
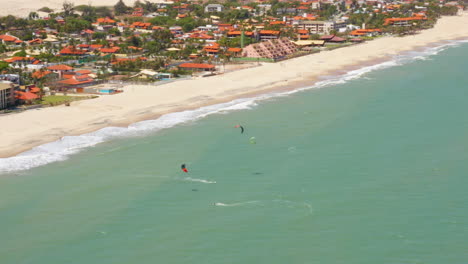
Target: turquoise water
<point>369,171</point>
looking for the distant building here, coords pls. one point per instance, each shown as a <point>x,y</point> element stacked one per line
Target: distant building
<point>214,8</point>
<point>7,94</point>
<point>315,27</point>
<point>272,49</point>
<point>286,11</point>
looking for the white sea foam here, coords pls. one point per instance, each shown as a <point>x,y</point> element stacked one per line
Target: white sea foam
<point>236,204</point>
<point>199,180</point>
<point>69,145</point>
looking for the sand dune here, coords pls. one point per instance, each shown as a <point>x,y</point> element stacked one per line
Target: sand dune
<point>24,7</point>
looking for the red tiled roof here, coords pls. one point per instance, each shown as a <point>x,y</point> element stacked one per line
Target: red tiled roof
<point>327,37</point>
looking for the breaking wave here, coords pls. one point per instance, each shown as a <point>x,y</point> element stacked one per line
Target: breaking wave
<point>65,147</point>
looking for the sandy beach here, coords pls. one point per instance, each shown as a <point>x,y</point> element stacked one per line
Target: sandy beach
<point>28,129</point>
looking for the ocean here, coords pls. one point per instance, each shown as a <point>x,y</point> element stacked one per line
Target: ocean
<point>368,167</point>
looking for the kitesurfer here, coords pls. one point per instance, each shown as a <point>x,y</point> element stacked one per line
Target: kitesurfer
<point>241,127</point>
<point>184,169</point>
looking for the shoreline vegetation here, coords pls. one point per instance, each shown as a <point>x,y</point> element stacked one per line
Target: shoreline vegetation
<point>139,102</point>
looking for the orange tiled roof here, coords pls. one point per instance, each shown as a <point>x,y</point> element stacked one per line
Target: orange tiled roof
<point>40,74</point>
<point>84,71</point>
<point>197,66</point>
<point>72,51</point>
<point>105,20</point>
<point>60,67</point>
<point>34,89</point>
<point>75,80</point>
<point>269,32</point>
<point>8,38</point>
<point>36,41</point>
<point>360,32</point>
<point>15,59</point>
<point>25,95</point>
<point>234,50</point>
<point>95,46</point>
<point>396,19</point>
<point>277,23</point>
<point>109,50</point>
<point>140,25</point>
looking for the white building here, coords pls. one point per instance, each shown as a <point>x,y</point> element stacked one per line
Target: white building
<point>214,8</point>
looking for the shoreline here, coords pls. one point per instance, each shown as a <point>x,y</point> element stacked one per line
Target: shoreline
<point>29,129</point>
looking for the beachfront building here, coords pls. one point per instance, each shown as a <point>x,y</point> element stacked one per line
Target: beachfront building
<point>371,32</point>
<point>7,94</point>
<point>197,67</point>
<point>272,49</point>
<point>315,27</point>
<point>268,34</point>
<point>403,21</point>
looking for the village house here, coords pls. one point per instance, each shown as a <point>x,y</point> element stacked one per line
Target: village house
<point>44,74</point>
<point>72,51</point>
<point>20,62</point>
<point>61,69</point>
<point>8,39</point>
<point>76,80</point>
<point>138,12</point>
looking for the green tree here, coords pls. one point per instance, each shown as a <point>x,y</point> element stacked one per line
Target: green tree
<point>21,53</point>
<point>120,8</point>
<point>68,8</point>
<point>3,66</point>
<point>46,9</point>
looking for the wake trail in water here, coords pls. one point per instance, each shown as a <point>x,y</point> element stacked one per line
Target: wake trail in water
<point>199,180</point>
<point>236,204</point>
